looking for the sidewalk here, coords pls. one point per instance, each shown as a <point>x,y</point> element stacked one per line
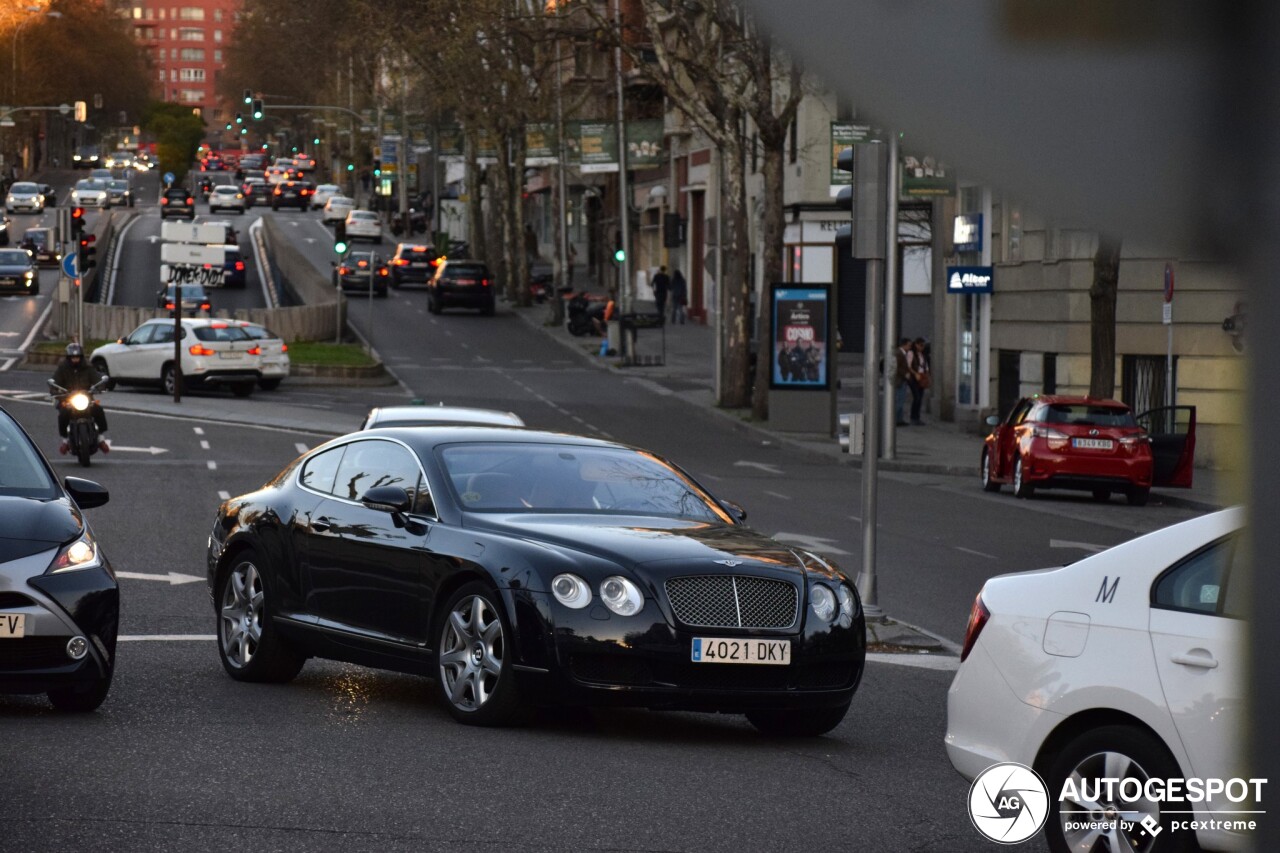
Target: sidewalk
<point>686,367</point>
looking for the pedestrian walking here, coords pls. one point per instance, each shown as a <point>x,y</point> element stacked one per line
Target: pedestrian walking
<point>661,284</point>
<point>920,378</point>
<point>573,261</point>
<point>679,296</point>
<point>901,372</point>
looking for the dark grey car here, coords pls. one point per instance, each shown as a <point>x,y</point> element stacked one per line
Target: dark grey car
<point>18,273</point>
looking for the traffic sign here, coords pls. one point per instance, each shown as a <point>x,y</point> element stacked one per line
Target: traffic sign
<point>168,177</point>
<point>185,253</point>
<point>190,232</point>
<point>69,265</point>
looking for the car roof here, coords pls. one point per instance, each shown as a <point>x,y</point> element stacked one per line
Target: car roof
<point>425,439</point>
<point>1067,400</point>
<point>457,415</point>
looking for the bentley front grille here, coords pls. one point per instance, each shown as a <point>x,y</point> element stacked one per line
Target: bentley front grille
<point>733,601</point>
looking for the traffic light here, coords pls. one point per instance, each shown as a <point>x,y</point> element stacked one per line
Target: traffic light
<point>619,253</point>
<point>244,131</point>
<point>293,150</point>
<point>228,125</point>
<point>340,246</point>
<point>239,118</point>
<point>315,141</point>
<point>88,252</point>
<point>844,199</point>
<point>248,97</point>
<point>77,222</point>
<point>257,109</point>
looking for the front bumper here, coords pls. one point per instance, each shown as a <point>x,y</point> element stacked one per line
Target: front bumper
<point>83,603</point>
<point>593,657</point>
<point>20,285</point>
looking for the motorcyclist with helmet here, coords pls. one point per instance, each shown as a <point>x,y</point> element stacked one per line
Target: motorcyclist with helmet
<point>76,374</point>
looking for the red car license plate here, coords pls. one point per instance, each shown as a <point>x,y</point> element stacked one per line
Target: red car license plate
<point>1092,443</point>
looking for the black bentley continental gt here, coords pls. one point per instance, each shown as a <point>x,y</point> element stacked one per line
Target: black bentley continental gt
<point>520,568</point>
<point>59,602</point>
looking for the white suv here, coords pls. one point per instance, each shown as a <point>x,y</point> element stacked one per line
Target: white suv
<point>214,353</point>
<point>275,354</point>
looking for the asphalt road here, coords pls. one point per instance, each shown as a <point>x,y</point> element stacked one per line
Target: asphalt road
<point>182,757</point>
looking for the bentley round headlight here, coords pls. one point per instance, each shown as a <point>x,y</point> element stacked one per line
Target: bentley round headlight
<point>571,591</point>
<point>848,605</point>
<point>621,596</point>
<point>823,602</point>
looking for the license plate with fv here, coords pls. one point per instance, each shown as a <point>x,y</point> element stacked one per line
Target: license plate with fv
<point>740,650</point>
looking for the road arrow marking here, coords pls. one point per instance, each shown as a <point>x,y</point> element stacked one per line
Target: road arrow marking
<point>9,334</point>
<point>310,239</point>
<point>810,543</point>
<point>1083,546</point>
<point>153,239</point>
<point>763,466</point>
<point>154,451</point>
<point>173,578</point>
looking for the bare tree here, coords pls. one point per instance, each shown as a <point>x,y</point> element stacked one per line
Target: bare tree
<point>1102,317</point>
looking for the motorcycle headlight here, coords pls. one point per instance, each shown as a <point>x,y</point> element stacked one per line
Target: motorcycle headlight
<point>79,402</point>
<point>848,605</point>
<point>823,602</point>
<point>621,595</point>
<point>80,554</point>
<point>571,591</point>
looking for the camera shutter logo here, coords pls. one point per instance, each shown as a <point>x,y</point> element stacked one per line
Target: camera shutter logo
<point>1008,803</point>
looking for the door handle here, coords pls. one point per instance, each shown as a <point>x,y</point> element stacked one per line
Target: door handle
<point>1201,661</point>
<point>322,524</point>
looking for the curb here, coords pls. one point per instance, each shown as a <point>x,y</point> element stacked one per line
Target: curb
<point>299,374</point>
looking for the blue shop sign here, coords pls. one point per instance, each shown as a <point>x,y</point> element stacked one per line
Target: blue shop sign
<point>967,234</point>
<point>969,279</point>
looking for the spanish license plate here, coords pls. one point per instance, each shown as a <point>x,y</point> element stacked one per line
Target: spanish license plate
<point>1092,443</point>
<point>717,650</point>
<point>13,625</point>
<point>231,355</point>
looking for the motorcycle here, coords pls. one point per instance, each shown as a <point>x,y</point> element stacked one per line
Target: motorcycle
<point>82,431</point>
<point>581,311</point>
<point>417,223</point>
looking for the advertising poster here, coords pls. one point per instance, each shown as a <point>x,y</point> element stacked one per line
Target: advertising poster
<point>540,144</point>
<point>800,335</point>
<point>599,146</point>
<point>845,135</point>
<point>644,144</point>
<point>451,141</point>
<point>926,177</point>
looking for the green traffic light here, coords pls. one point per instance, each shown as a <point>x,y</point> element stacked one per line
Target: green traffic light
<point>228,125</point>
<point>244,131</point>
<point>619,256</point>
<point>257,114</point>
<point>351,167</point>
<point>315,141</point>
<point>340,247</point>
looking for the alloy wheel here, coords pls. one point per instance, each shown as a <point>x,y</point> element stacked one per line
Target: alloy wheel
<point>472,650</point>
<point>241,623</point>
<point>1104,818</point>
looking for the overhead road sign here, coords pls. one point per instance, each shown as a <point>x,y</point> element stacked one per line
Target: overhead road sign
<point>189,232</point>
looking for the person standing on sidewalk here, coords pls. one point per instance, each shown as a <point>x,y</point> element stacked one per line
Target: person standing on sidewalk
<point>661,284</point>
<point>901,373</point>
<point>679,296</point>
<point>920,378</point>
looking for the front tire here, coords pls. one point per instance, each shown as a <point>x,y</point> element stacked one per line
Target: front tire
<point>1121,752</point>
<point>169,379</point>
<point>475,660</point>
<point>1138,496</point>
<point>811,723</point>
<point>80,700</point>
<point>1021,488</point>
<point>1102,495</point>
<point>248,644</point>
<point>988,484</point>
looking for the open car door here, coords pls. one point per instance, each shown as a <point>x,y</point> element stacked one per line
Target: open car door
<point>1173,444</point>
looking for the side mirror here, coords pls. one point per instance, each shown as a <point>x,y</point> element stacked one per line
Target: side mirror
<point>993,421</point>
<point>86,493</point>
<point>735,510</point>
<point>387,499</point>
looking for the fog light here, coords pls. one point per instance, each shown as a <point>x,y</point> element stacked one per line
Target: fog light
<point>77,648</point>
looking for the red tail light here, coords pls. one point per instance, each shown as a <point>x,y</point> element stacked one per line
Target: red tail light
<point>204,306</point>
<point>239,266</point>
<point>255,351</point>
<point>199,349</point>
<point>164,201</point>
<point>1057,440</point>
<point>978,617</point>
<point>169,305</point>
<point>190,200</point>
<point>344,271</point>
<point>284,348</point>
<point>484,282</point>
<point>399,262</point>
<point>277,191</point>
<point>382,271</point>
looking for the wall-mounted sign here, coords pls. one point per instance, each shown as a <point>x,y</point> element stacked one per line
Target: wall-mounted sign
<point>540,144</point>
<point>801,329</point>
<point>845,135</point>
<point>598,146</point>
<point>926,177</point>
<point>644,144</point>
<point>967,235</point>
<point>969,280</point>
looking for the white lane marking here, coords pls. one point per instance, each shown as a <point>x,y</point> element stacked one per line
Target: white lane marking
<point>33,397</point>
<point>778,495</point>
<point>213,466</point>
<point>763,466</point>
<point>204,445</point>
<point>975,553</point>
<point>226,496</point>
<point>199,431</point>
<point>7,364</point>
<point>172,578</point>
<point>48,308</point>
<point>1083,546</point>
<point>945,663</point>
<point>302,448</point>
<point>811,543</point>
<point>154,451</point>
<point>164,638</point>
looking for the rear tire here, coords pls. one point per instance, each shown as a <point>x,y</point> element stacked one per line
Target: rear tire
<point>169,379</point>
<point>80,700</point>
<point>811,723</point>
<point>1138,496</point>
<point>1021,488</point>
<point>242,389</point>
<point>988,484</point>
<point>268,384</point>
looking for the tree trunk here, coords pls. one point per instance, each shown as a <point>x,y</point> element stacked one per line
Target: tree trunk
<point>475,227</point>
<point>735,391</point>
<point>1102,317</point>
<point>771,234</point>
<point>515,207</point>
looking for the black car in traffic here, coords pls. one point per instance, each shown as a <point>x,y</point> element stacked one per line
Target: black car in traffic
<point>519,567</point>
<point>59,602</point>
<point>177,202</point>
<point>292,193</point>
<point>18,273</point>
<point>412,263</point>
<point>461,284</point>
<point>352,273</point>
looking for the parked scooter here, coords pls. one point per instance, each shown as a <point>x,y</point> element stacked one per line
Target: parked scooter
<point>417,222</point>
<point>581,311</point>
<point>82,431</point>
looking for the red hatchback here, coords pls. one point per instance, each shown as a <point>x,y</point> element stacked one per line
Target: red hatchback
<point>1088,444</point>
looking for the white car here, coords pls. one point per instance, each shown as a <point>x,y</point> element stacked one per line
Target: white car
<point>226,197</point>
<point>337,208</point>
<point>1126,665</point>
<point>274,358</point>
<point>364,225</point>
<point>24,196</point>
<point>277,175</point>
<point>323,193</point>
<point>90,192</point>
<point>441,415</point>
<point>214,353</point>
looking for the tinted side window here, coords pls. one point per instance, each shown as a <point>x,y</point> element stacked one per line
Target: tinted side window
<point>1199,582</point>
<point>318,472</point>
<point>368,464</point>
<point>142,334</point>
<point>164,334</point>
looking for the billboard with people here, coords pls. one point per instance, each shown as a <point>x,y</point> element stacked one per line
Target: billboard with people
<point>801,320</point>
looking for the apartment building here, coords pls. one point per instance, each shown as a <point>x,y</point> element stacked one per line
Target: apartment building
<point>187,47</point>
